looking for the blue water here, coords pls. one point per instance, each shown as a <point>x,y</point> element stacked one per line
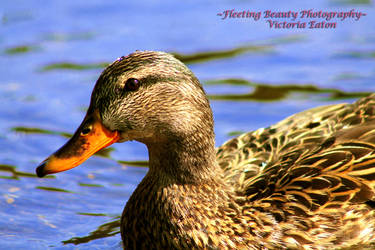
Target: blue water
<point>42,213</point>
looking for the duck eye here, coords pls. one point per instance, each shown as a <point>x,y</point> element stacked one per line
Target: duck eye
<point>131,84</point>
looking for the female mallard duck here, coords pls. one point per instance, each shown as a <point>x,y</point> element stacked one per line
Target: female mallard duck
<point>307,182</point>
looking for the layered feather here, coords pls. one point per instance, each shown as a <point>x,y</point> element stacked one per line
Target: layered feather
<point>314,172</point>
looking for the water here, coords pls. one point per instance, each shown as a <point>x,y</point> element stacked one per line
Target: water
<point>52,53</point>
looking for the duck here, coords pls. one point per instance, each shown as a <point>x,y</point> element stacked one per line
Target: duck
<point>307,182</point>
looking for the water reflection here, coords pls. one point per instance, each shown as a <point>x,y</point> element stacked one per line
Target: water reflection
<point>268,92</point>
<point>365,54</point>
<point>33,130</point>
<point>221,54</point>
<point>13,173</point>
<point>73,66</point>
<point>53,189</point>
<point>134,163</point>
<point>106,230</point>
<point>199,57</point>
<point>21,49</point>
<point>51,59</point>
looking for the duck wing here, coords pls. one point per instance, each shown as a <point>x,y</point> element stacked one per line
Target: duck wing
<point>310,177</point>
<point>320,158</point>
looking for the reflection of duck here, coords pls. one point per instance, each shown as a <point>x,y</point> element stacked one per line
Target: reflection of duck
<point>306,182</point>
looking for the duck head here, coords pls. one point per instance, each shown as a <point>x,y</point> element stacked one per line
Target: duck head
<point>146,96</point>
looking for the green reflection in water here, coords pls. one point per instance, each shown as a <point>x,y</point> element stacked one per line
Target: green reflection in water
<point>14,174</point>
<point>53,189</point>
<point>134,163</point>
<point>347,76</point>
<point>186,58</point>
<point>265,47</point>
<point>73,66</point>
<point>90,185</point>
<point>106,230</point>
<point>20,49</point>
<point>93,214</point>
<point>33,130</point>
<point>358,54</point>
<point>117,184</point>
<point>267,92</point>
<point>235,133</point>
<point>349,2</point>
<point>219,54</point>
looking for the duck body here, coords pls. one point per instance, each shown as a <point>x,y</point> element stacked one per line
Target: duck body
<point>307,182</point>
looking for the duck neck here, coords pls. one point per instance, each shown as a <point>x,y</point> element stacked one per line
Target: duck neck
<point>186,159</point>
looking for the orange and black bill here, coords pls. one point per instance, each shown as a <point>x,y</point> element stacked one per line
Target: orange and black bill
<point>89,138</point>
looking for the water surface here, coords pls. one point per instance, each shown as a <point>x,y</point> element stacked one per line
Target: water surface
<point>51,54</point>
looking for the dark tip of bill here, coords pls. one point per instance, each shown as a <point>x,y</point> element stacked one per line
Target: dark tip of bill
<point>40,170</point>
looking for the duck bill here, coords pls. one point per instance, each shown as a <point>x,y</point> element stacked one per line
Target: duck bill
<point>89,138</point>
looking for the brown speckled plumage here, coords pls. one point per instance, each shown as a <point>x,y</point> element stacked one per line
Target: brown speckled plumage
<point>313,172</point>
<point>307,182</point>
